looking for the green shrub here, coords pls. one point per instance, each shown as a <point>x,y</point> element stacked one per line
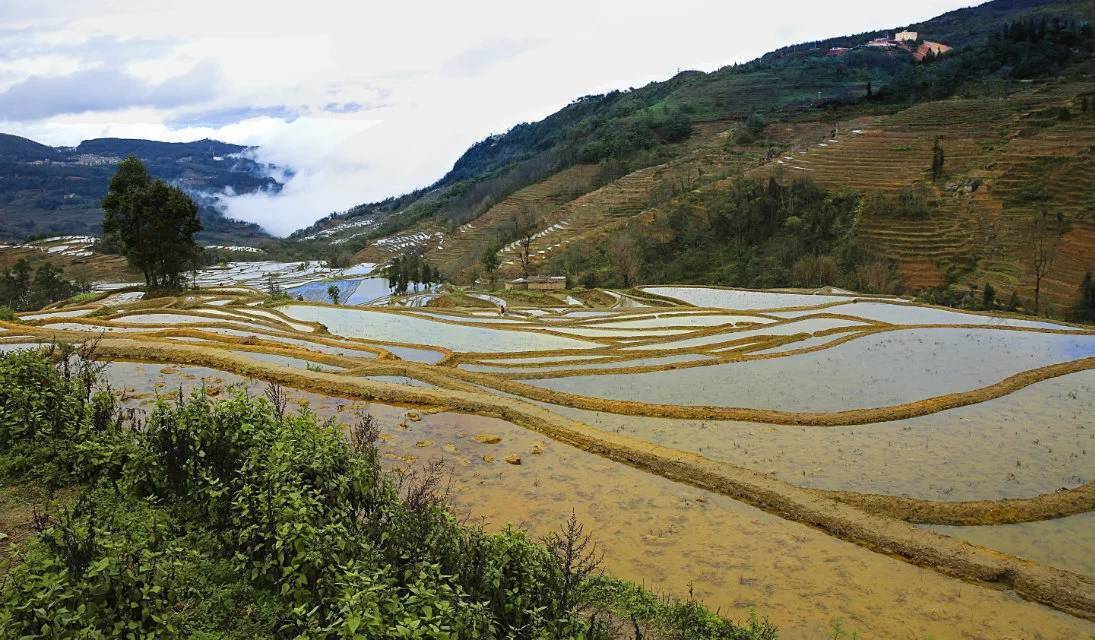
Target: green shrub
<point>7,314</point>
<point>82,298</point>
<point>237,519</point>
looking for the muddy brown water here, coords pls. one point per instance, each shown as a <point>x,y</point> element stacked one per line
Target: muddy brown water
<point>1033,441</point>
<point>668,535</point>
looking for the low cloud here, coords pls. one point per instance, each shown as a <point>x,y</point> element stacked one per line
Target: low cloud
<point>474,61</point>
<point>216,118</point>
<point>106,90</point>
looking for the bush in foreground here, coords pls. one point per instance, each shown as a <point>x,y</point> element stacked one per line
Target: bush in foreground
<point>236,519</point>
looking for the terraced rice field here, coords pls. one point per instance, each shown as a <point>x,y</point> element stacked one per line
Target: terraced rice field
<point>1006,161</point>
<point>873,457</point>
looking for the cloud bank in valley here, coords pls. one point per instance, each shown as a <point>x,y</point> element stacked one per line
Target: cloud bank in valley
<point>364,101</point>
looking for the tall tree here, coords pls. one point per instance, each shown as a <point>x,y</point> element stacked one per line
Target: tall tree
<point>490,263</point>
<point>152,223</point>
<point>1085,308</point>
<point>524,225</point>
<point>624,254</point>
<point>937,160</point>
<point>1044,249</point>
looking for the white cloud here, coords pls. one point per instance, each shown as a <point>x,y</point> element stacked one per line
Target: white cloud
<point>423,80</point>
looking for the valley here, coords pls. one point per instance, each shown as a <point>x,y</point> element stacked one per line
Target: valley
<point>801,346</point>
<point>775,410</point>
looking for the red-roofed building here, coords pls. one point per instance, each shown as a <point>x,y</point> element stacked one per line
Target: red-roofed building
<point>936,48</point>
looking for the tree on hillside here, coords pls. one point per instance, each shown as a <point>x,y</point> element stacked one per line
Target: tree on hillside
<point>524,225</point>
<point>22,292</point>
<point>752,130</point>
<point>624,255</point>
<point>490,263</point>
<point>15,286</point>
<point>988,297</point>
<point>1085,308</point>
<point>333,293</point>
<point>937,160</point>
<point>1044,248</point>
<point>151,223</point>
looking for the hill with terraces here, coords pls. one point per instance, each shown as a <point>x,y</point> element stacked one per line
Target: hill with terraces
<point>56,191</point>
<point>1016,127</point>
<point>1007,160</point>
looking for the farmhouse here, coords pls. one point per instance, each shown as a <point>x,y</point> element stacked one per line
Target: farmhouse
<point>538,283</point>
<point>926,47</point>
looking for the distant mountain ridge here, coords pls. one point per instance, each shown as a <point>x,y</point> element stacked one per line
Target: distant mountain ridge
<point>48,190</point>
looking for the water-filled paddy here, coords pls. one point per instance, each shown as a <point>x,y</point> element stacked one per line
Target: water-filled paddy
<point>375,325</point>
<point>742,300</point>
<point>57,314</point>
<point>807,325</point>
<point>1064,542</point>
<point>668,535</point>
<point>579,365</point>
<point>286,361</point>
<point>1030,442</point>
<point>911,314</point>
<point>857,374</point>
<point>689,320</point>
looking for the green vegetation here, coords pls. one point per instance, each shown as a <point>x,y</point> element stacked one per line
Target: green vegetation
<point>47,192</point>
<point>752,130</point>
<point>639,127</point>
<point>410,269</point>
<point>489,260</point>
<point>1019,49</point>
<point>1085,308</point>
<point>937,160</point>
<point>906,203</point>
<point>152,224</point>
<point>21,291</point>
<point>239,519</point>
<point>750,234</point>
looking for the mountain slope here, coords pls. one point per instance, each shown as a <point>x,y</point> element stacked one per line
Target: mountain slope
<point>1006,104</point>
<point>56,191</point>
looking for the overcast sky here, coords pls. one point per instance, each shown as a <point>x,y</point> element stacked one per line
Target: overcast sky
<point>370,98</point>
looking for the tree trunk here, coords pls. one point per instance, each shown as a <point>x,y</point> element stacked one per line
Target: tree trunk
<point>1037,293</point>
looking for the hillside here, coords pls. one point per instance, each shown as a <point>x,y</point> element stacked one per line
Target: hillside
<point>856,113</point>
<point>53,191</point>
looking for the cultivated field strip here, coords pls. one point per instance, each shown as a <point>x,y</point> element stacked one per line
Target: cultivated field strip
<point>517,366</point>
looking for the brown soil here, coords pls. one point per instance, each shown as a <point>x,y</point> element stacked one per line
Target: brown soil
<point>1063,590</point>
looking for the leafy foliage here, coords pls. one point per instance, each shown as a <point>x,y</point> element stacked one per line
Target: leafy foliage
<point>410,270</point>
<point>50,191</point>
<point>237,519</point>
<point>750,234</point>
<point>1020,49</point>
<point>1085,308</point>
<point>151,223</point>
<point>21,291</point>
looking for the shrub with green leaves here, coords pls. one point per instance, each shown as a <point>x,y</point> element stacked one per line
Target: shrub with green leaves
<point>238,519</point>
